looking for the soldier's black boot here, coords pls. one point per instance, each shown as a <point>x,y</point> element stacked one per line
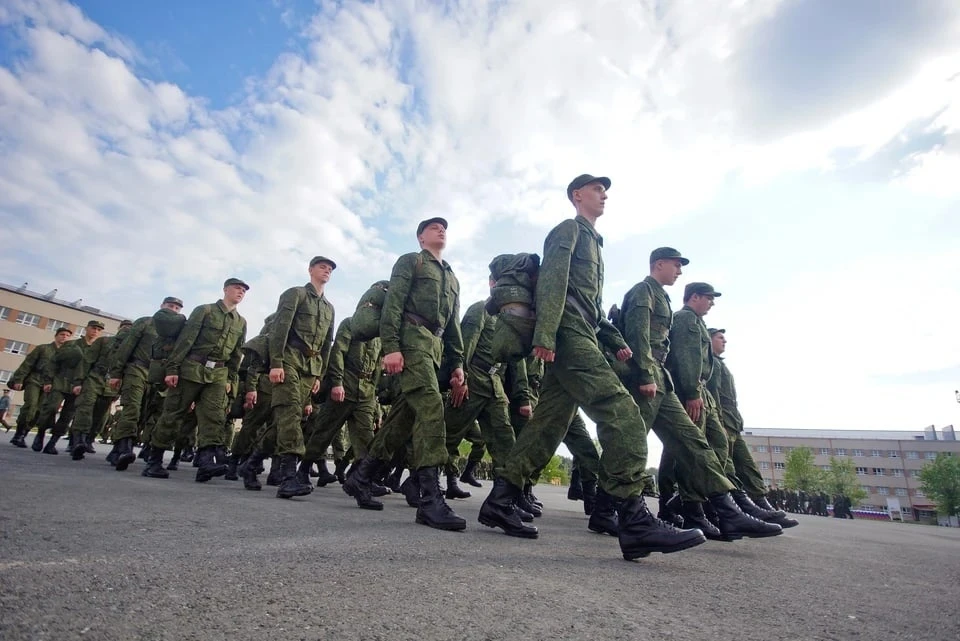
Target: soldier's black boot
<point>125,455</point>
<point>303,474</point>
<point>778,516</point>
<point>174,463</point>
<point>453,490</point>
<point>249,470</point>
<point>670,510</point>
<point>290,484</point>
<point>154,468</point>
<point>524,503</point>
<point>341,466</point>
<point>433,510</point>
<point>531,497</point>
<point>79,446</point>
<point>499,510</point>
<point>233,461</point>
<point>641,533</point>
<point>144,453</point>
<point>38,440</point>
<point>603,520</point>
<point>411,490</point>
<point>575,491</point>
<point>112,455</point>
<point>273,477</point>
<point>19,437</point>
<point>358,484</point>
<point>51,446</point>
<point>88,443</point>
<point>468,476</point>
<point>693,517</point>
<point>733,522</point>
<point>588,490</point>
<point>393,481</point>
<point>325,478</point>
<point>206,464</point>
<point>188,454</point>
<point>749,507</point>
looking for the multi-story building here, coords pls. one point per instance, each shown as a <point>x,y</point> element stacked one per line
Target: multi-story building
<point>28,319</point>
<point>888,464</point>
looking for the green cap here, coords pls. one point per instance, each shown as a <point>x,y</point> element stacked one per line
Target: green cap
<point>714,330</point>
<point>704,289</point>
<point>235,281</point>
<point>126,323</point>
<point>172,299</point>
<point>583,180</point>
<point>62,330</point>
<point>667,253</point>
<point>96,323</point>
<point>322,259</point>
<point>429,221</point>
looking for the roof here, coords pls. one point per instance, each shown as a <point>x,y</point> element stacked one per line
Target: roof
<point>51,298</point>
<point>864,435</point>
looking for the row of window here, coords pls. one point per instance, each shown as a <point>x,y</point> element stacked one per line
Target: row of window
<point>897,491</point>
<point>840,451</point>
<point>862,471</point>
<point>32,320</point>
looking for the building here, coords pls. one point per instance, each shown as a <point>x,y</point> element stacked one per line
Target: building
<point>28,319</point>
<point>888,463</point>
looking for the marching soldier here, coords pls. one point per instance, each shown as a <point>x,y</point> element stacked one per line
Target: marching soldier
<point>29,378</point>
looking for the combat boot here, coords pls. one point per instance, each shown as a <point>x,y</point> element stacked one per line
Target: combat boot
<point>325,478</point>
<point>453,490</point>
<point>749,507</point>
<point>207,465</point>
<point>111,457</point>
<point>433,510</point>
<point>603,520</point>
<point>249,470</point>
<point>290,484</point>
<point>393,481</point>
<point>411,490</point>
<point>303,473</point>
<point>358,484</point>
<point>340,468</point>
<point>273,477</point>
<point>174,463</point>
<point>88,444</point>
<point>51,446</point>
<point>37,445</point>
<point>233,461</point>
<point>154,468</point>
<point>188,454</point>
<point>379,490</point>
<point>588,491</point>
<point>468,476</point>
<point>19,437</point>
<point>641,534</point>
<point>780,518</point>
<point>693,517</point>
<point>79,447</point>
<point>531,497</point>
<point>524,503</point>
<point>670,507</point>
<point>499,510</point>
<point>144,454</point>
<point>575,491</point>
<point>125,455</point>
<point>733,522</point>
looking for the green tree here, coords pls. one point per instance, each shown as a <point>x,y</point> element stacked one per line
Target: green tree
<point>842,479</point>
<point>941,482</point>
<point>801,474</point>
<point>555,470</point>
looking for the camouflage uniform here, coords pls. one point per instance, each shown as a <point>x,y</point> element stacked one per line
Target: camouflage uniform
<point>721,385</point>
<point>131,364</point>
<point>30,375</point>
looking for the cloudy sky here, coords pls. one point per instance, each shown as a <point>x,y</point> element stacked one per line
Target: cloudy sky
<point>804,154</point>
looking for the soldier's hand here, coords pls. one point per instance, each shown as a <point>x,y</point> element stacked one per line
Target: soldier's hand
<point>459,394</point>
<point>624,354</point>
<point>229,387</point>
<point>77,389</point>
<point>526,411</point>
<point>316,386</point>
<point>458,378</point>
<point>276,375</point>
<point>172,380</point>
<point>115,383</point>
<point>694,409</point>
<point>249,400</point>
<point>544,354</point>
<point>308,410</point>
<point>337,394</point>
<point>17,386</point>
<point>47,388</point>
<point>649,390</point>
<point>393,363</point>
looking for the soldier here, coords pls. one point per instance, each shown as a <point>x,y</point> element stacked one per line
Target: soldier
<point>129,373</point>
<point>751,494</point>
<point>569,328</point>
<point>300,341</point>
<point>477,448</point>
<point>645,319</point>
<point>257,400</point>
<point>4,408</point>
<point>420,334</point>
<point>65,374</point>
<point>29,378</point>
<point>201,369</point>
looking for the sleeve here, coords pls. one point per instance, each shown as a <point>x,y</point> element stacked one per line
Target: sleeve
<point>636,329</point>
<point>552,283</point>
<point>233,362</point>
<point>328,342</point>
<point>391,315</point>
<point>453,338</point>
<point>90,358</point>
<point>123,353</point>
<point>26,367</point>
<point>609,336</point>
<point>341,344</point>
<point>470,328</point>
<point>188,335</point>
<point>282,322</point>
<point>49,369</point>
<point>728,401</point>
<point>519,391</point>
<point>685,357</point>
<point>254,366</point>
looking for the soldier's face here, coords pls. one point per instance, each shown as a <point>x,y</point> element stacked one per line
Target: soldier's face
<point>233,294</point>
<point>321,272</point>
<point>433,236</point>
<point>172,307</point>
<point>93,333</point>
<point>701,304</point>
<point>61,338</point>
<point>591,199</point>
<point>719,343</point>
<point>670,271</point>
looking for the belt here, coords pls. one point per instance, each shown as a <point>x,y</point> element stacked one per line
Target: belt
<point>483,364</point>
<point>295,342</point>
<point>583,314</point>
<point>200,358</point>
<point>659,355</point>
<point>419,321</point>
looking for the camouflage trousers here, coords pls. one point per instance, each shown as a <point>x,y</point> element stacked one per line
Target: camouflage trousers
<point>288,401</point>
<point>326,424</point>
<point>48,419</point>
<point>133,391</point>
<point>495,431</point>
<point>254,425</point>
<point>30,409</point>
<point>210,401</point>
<point>93,407</point>
<point>743,464</point>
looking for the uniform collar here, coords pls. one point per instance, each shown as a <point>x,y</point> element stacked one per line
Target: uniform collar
<point>590,228</point>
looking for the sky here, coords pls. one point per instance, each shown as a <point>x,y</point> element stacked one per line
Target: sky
<point>805,155</point>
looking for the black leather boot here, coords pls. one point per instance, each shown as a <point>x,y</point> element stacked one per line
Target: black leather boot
<point>358,484</point>
<point>341,466</point>
<point>325,478</point>
<point>144,454</point>
<point>499,510</point>
<point>233,461</point>
<point>290,483</point>
<point>433,510</point>
<point>531,497</point>
<point>112,455</point>
<point>37,445</point>
<point>733,522</point>
<point>88,444</point>
<point>749,507</point>
<point>19,437</point>
<point>780,517</point>
<point>588,490</point>
<point>125,455</point>
<point>188,454</point>
<point>79,446</point>
<point>670,510</point>
<point>641,533</point>
<point>575,491</point>
<point>379,490</point>
<point>154,468</point>
<point>468,475</point>
<point>249,470</point>
<point>393,481</point>
<point>207,465</point>
<point>303,473</point>
<point>51,446</point>
<point>693,517</point>
<point>453,490</point>
<point>273,477</point>
<point>523,502</point>
<point>411,490</point>
<point>603,520</point>
<point>174,463</point>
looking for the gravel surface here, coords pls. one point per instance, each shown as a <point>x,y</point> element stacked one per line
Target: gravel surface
<point>88,552</point>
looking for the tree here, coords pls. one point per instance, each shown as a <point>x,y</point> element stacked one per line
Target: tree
<point>801,474</point>
<point>555,470</point>
<point>941,481</point>
<point>842,479</point>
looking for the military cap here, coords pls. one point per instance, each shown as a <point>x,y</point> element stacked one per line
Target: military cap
<point>62,330</point>
<point>583,180</point>
<point>235,281</point>
<point>714,330</point>
<point>322,259</point>
<point>667,253</point>
<point>704,289</point>
<point>126,323</point>
<point>174,300</point>
<point>429,221</point>
<point>96,323</point>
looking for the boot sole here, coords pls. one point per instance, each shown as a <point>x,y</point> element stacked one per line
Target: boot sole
<point>448,527</point>
<point>374,507</point>
<point>760,535</point>
<point>155,476</point>
<point>602,530</point>
<point>124,461</point>
<point>520,534</point>
<point>452,497</point>
<point>668,549</point>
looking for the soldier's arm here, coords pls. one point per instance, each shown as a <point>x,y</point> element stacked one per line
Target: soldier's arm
<point>49,369</point>
<point>728,400</point>
<point>470,328</point>
<point>328,343</point>
<point>391,315</point>
<point>123,353</point>
<point>610,337</point>
<point>282,322</point>
<point>636,329</point>
<point>341,344</point>
<point>519,392</point>
<point>233,362</point>
<point>186,339</point>
<point>453,339</point>
<point>552,283</point>
<point>27,366</point>
<point>254,366</point>
<point>685,355</point>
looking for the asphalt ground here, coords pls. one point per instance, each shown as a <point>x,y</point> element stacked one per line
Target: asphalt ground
<point>88,552</point>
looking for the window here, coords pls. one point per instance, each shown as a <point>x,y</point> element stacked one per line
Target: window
<point>81,331</point>
<point>915,474</point>
<point>919,494</point>
<point>841,451</point>
<point>777,449</point>
<point>867,489</point>
<point>893,454</point>
<point>824,451</point>
<point>875,453</point>
<point>898,473</point>
<point>30,320</point>
<point>862,471</point>
<point>5,375</point>
<point>4,313</point>
<point>825,468</point>
<point>54,325</point>
<point>16,347</point>
<point>779,466</point>
<point>878,471</point>
<point>913,455</point>
<point>883,491</point>
<point>930,455</point>
<point>761,448</point>
<point>858,452</point>
<point>764,465</point>
<point>901,491</point>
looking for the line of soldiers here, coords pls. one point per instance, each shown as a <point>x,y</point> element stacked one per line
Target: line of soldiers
<point>518,367</point>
